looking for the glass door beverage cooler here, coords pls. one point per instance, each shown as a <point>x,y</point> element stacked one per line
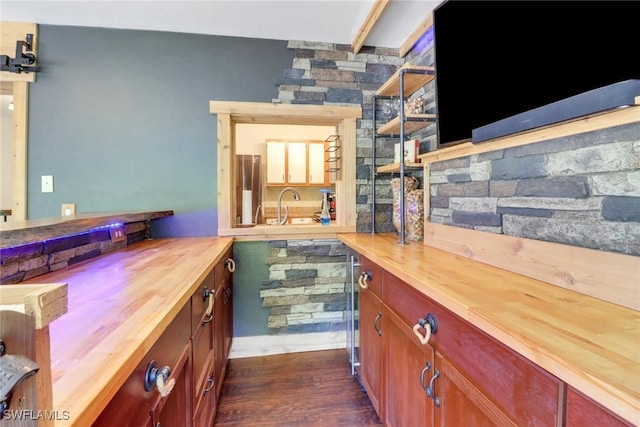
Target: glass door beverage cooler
<point>352,317</point>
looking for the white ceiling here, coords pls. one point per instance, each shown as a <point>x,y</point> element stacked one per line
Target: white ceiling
<point>332,21</point>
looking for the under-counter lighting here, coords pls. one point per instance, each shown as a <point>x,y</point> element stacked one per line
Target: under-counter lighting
<point>11,106</point>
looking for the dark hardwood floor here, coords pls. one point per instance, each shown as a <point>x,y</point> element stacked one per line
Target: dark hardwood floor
<point>296,389</point>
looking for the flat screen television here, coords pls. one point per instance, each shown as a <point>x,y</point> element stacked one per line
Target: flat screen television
<point>497,59</point>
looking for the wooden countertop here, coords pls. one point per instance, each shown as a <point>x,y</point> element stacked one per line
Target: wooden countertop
<point>590,344</point>
<point>119,305</point>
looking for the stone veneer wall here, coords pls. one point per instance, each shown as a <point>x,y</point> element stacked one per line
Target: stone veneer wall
<point>331,74</point>
<point>582,190</point>
<point>24,262</point>
<point>306,287</point>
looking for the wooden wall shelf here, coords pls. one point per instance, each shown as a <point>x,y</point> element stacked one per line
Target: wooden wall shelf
<point>412,82</point>
<point>413,123</point>
<point>395,167</point>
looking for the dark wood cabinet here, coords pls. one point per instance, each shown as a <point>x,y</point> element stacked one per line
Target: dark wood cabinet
<point>460,376</point>
<point>174,409</point>
<point>132,405</point>
<point>584,411</point>
<point>371,327</point>
<point>203,350</point>
<point>218,338</point>
<point>227,306</point>
<point>459,402</point>
<point>223,317</point>
<point>371,331</point>
<point>205,406</point>
<point>409,369</point>
<point>517,388</point>
<point>195,346</point>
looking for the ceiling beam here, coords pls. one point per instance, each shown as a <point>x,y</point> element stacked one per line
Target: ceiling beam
<point>374,15</point>
<point>415,36</point>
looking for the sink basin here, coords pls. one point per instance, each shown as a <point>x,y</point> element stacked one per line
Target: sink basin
<point>299,221</point>
<point>292,221</point>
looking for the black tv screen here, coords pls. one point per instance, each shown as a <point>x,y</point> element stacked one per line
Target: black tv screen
<point>497,59</point>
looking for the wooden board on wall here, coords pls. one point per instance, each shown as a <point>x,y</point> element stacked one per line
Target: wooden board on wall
<point>10,32</point>
<point>604,275</point>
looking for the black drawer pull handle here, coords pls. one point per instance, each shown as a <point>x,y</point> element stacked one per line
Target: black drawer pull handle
<point>375,324</point>
<point>424,371</point>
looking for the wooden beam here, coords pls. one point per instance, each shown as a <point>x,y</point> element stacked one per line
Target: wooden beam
<point>256,111</point>
<point>20,128</point>
<point>415,36</point>
<point>374,15</point>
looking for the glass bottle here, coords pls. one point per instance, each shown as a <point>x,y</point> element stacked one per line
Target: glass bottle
<point>325,217</point>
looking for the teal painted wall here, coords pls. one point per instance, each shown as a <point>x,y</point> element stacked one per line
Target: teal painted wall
<point>249,316</point>
<point>121,119</point>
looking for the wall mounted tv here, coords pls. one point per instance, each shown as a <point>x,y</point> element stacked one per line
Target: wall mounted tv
<point>498,59</point>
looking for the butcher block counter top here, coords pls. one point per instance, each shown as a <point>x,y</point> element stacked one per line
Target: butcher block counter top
<point>590,344</point>
<point>119,304</point>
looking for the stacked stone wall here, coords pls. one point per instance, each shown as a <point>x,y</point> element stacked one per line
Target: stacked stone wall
<point>305,291</point>
<point>24,262</point>
<point>582,190</point>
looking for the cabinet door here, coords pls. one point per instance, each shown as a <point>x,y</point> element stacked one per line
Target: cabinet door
<point>370,369</point>
<point>297,162</point>
<point>409,365</point>
<point>132,405</point>
<point>583,411</point>
<point>276,162</point>
<point>175,410</point>
<point>218,337</point>
<point>227,315</point>
<point>460,403</point>
<point>524,391</point>
<point>202,350</point>
<point>202,358</point>
<point>316,164</point>
<point>205,404</point>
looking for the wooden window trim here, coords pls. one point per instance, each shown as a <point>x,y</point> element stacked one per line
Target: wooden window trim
<point>342,117</point>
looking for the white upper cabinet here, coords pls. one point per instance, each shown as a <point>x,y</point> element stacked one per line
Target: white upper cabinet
<point>276,162</point>
<point>316,163</point>
<point>296,163</point>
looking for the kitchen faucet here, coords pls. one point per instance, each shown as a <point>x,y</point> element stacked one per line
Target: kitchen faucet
<point>296,196</point>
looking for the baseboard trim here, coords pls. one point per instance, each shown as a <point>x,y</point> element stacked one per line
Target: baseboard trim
<point>265,345</point>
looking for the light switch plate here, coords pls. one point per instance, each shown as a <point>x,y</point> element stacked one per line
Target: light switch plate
<point>47,183</point>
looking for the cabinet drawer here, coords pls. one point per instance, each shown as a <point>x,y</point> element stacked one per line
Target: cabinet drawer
<point>205,403</point>
<point>525,392</point>
<point>220,270</point>
<point>374,275</point>
<point>131,404</point>
<point>200,303</point>
<point>583,411</point>
<point>202,356</point>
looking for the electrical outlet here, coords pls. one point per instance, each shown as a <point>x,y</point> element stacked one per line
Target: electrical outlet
<point>47,183</point>
<point>68,209</point>
<point>117,234</point>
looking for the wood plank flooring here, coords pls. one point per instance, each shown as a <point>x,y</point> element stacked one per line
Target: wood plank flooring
<point>296,389</point>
